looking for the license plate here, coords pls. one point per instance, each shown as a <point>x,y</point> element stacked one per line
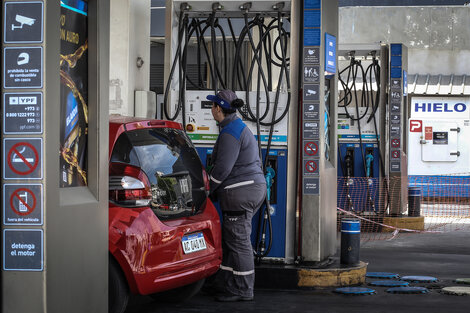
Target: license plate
<point>194,242</point>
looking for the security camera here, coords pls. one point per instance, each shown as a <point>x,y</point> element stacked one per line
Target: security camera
<point>23,20</point>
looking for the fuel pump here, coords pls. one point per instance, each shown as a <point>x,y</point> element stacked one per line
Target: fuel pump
<point>253,60</point>
<point>360,157</point>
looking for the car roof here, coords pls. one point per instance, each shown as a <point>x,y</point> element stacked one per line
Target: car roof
<point>132,123</point>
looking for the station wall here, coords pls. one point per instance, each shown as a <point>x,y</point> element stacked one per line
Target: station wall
<point>437,37</point>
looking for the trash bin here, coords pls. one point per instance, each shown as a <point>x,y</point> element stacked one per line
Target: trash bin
<point>414,201</point>
<point>350,241</point>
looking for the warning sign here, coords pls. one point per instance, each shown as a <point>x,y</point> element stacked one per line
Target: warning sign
<point>23,250</point>
<point>428,133</point>
<point>311,186</point>
<point>22,67</point>
<point>311,92</point>
<point>310,148</point>
<point>311,55</point>
<point>22,204</point>
<point>22,158</point>
<point>311,111</point>
<point>395,154</point>
<point>395,143</point>
<point>23,22</point>
<point>310,167</point>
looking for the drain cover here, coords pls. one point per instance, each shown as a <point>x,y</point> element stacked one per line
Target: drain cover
<point>355,291</point>
<point>389,283</point>
<point>458,291</point>
<point>419,279</point>
<point>382,275</point>
<point>463,281</point>
<point>408,290</point>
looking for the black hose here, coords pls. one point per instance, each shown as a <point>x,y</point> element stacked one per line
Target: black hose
<point>172,71</point>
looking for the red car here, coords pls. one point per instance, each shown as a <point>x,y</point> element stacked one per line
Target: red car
<point>164,231</point>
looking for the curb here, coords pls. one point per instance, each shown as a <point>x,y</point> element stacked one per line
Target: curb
<point>303,277</point>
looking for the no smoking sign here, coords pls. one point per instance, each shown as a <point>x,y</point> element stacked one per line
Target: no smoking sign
<point>22,158</point>
<point>310,148</point>
<point>22,204</point>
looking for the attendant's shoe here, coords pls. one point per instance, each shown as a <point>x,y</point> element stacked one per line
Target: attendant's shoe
<point>232,298</point>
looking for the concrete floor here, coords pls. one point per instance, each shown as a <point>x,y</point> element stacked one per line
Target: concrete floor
<point>445,256</point>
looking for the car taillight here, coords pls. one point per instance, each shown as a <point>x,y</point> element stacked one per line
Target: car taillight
<point>206,180</point>
<point>128,186</point>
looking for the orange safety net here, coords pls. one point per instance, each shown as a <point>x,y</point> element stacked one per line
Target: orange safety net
<point>432,204</point>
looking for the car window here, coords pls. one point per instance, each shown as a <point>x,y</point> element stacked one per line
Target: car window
<point>172,165</point>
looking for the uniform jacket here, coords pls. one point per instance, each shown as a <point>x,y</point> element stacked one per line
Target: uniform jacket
<point>235,157</point>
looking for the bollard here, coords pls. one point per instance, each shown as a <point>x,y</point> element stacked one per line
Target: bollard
<point>350,241</point>
<point>414,201</point>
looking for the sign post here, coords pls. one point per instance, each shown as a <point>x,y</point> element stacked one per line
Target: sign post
<point>318,85</point>
<point>22,170</point>
<point>54,133</point>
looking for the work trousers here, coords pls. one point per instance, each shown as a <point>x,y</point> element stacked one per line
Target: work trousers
<point>237,272</point>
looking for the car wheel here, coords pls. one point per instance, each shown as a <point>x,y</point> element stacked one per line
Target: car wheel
<point>180,294</point>
<point>118,289</point>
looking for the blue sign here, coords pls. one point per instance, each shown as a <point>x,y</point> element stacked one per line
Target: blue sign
<point>440,107</point>
<point>312,18</point>
<point>312,4</point>
<point>395,72</point>
<point>405,84</point>
<point>395,61</point>
<point>396,48</point>
<point>330,54</point>
<point>312,37</point>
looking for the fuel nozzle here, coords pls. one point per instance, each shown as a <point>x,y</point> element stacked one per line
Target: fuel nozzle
<point>349,163</point>
<point>269,176</point>
<point>369,161</point>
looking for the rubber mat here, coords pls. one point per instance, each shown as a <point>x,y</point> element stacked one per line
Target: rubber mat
<point>419,279</point>
<point>355,291</point>
<point>408,290</point>
<point>389,283</point>
<point>382,275</point>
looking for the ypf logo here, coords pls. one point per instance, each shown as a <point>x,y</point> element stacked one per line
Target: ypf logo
<point>416,126</point>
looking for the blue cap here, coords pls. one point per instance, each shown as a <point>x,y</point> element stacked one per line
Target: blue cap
<point>224,98</point>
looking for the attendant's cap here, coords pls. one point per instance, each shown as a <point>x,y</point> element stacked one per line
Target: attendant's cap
<point>223,98</point>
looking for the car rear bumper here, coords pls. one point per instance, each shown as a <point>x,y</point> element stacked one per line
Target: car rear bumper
<point>150,251</point>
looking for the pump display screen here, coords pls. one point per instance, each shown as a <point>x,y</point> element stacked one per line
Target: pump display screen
<point>440,138</point>
<point>73,93</point>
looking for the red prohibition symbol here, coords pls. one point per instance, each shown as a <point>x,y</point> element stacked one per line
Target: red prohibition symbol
<point>395,143</point>
<point>311,166</point>
<point>31,167</point>
<point>311,148</point>
<point>22,202</point>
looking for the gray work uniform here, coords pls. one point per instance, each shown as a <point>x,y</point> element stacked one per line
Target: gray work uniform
<point>239,183</point>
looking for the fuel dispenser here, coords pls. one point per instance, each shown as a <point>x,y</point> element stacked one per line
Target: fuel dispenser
<point>253,49</point>
<point>243,46</point>
<point>371,115</point>
<point>360,156</point>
